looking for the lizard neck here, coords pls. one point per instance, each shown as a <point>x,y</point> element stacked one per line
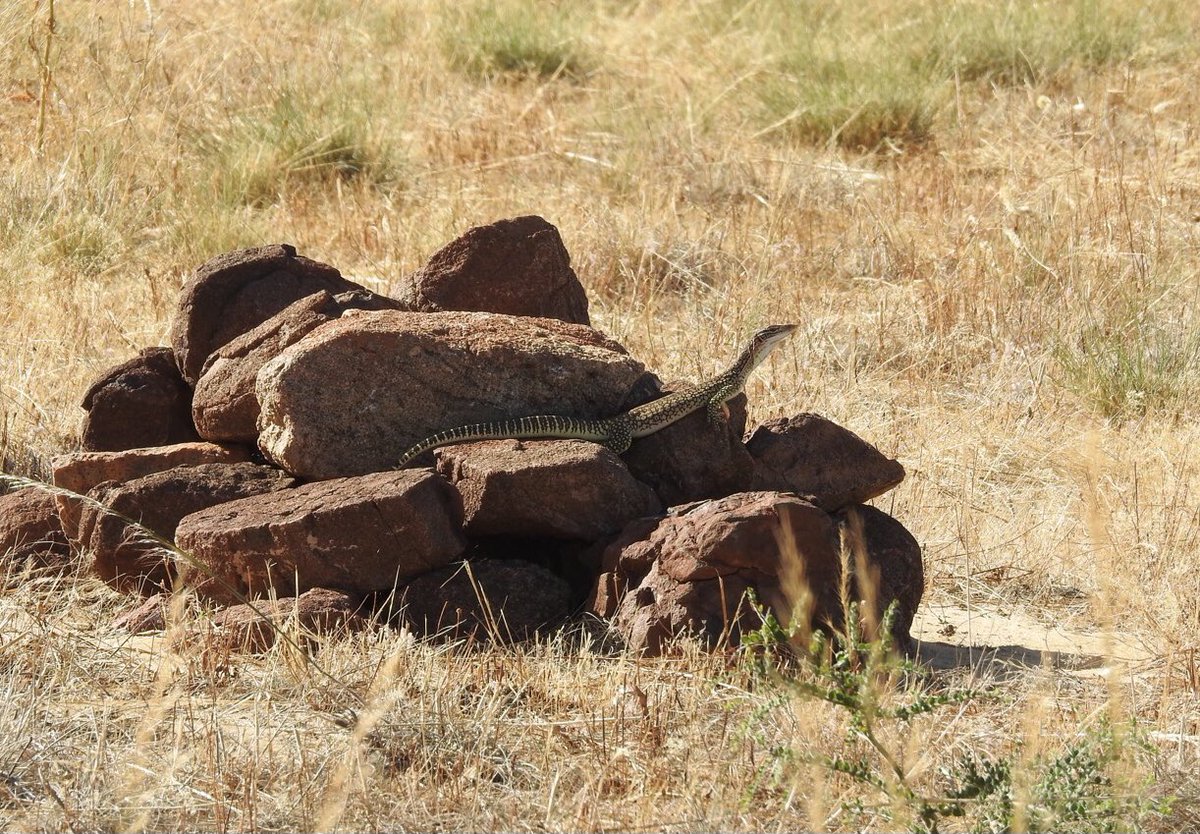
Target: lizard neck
<point>751,358</point>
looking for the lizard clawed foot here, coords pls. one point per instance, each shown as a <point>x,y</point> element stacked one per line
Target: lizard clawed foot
<point>718,414</point>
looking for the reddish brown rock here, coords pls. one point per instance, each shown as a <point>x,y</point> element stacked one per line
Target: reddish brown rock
<point>354,394</point>
<point>738,537</point>
<point>519,267</point>
<point>357,535</point>
<point>131,561</point>
<point>224,406</point>
<point>521,598</point>
<point>139,403</point>
<point>812,456</point>
<point>564,489</point>
<point>148,615</point>
<point>693,459</point>
<point>319,612</point>
<point>30,530</point>
<point>687,573</point>
<point>79,472</point>
<point>235,292</point>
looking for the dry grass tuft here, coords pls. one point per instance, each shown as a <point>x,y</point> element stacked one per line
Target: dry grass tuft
<point>984,216</point>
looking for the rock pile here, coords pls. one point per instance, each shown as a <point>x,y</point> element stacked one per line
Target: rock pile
<point>260,443</point>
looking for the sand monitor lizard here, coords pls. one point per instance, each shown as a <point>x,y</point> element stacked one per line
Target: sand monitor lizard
<point>618,432</point>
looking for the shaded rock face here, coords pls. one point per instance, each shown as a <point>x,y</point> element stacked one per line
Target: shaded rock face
<point>81,471</point>
<point>692,459</point>
<point>359,535</point>
<point>520,599</point>
<point>812,456</point>
<point>894,569</point>
<point>354,394</point>
<point>30,530</point>
<point>688,571</point>
<point>571,560</point>
<point>318,612</point>
<point>129,561</point>
<point>519,267</point>
<point>565,489</point>
<point>224,406</point>
<point>662,608</point>
<point>139,403</point>
<point>235,292</point>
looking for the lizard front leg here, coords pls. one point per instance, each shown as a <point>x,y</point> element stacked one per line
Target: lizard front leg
<point>717,409</point>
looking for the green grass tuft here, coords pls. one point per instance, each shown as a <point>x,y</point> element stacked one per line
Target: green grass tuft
<point>1026,43</point>
<point>851,103</point>
<point>834,80</point>
<point>1133,370</point>
<point>84,240</point>
<point>869,80</point>
<point>295,142</point>
<point>513,39</point>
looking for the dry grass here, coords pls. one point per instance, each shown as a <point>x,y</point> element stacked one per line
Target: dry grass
<point>984,216</point>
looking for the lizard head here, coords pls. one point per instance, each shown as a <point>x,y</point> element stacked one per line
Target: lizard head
<point>768,337</point>
<point>765,340</point>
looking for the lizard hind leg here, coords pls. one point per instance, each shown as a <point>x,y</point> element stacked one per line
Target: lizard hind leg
<point>619,445</point>
<point>619,439</point>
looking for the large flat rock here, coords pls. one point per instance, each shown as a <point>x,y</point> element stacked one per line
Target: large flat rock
<point>358,535</point>
<point>562,489</point>
<point>136,563</point>
<point>81,471</point>
<point>354,394</point>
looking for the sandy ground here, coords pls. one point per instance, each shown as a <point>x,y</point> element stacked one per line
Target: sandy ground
<point>953,636</point>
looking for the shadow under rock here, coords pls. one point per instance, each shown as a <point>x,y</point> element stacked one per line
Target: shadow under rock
<point>1002,662</point>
